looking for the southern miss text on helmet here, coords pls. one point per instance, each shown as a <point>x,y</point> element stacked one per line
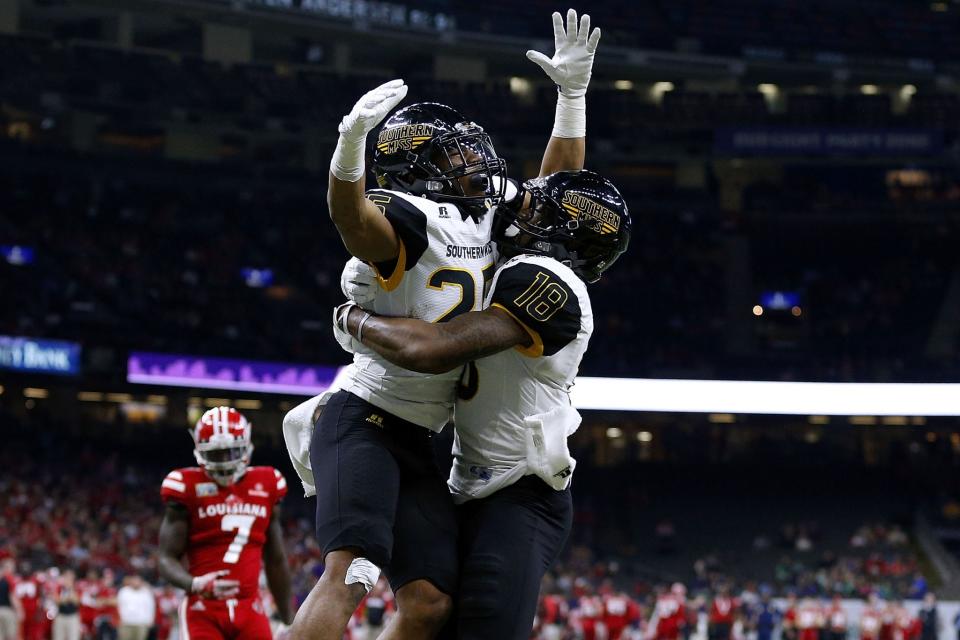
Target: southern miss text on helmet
<point>576,217</point>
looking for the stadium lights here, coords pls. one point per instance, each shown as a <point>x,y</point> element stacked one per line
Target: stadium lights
<point>863,401</point>
<point>33,392</point>
<point>645,436</point>
<point>157,399</point>
<point>248,404</point>
<point>796,311</point>
<point>907,91</point>
<point>90,396</point>
<point>614,432</point>
<point>119,398</point>
<point>869,89</point>
<point>722,418</point>
<point>623,85</point>
<point>768,89</point>
<point>216,402</point>
<point>660,88</point>
<point>757,310</point>
<point>520,86</point>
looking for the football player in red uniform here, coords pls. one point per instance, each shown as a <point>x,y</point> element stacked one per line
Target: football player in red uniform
<point>28,591</point>
<point>723,613</point>
<point>223,516</point>
<point>871,619</point>
<point>619,611</point>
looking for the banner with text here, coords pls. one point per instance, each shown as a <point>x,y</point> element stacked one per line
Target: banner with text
<point>34,355</point>
<point>817,141</point>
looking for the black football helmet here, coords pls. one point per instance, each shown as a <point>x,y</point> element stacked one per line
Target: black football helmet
<point>577,217</point>
<point>433,151</point>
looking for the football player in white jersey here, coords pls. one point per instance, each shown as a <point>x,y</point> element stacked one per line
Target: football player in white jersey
<point>512,468</point>
<point>364,448</point>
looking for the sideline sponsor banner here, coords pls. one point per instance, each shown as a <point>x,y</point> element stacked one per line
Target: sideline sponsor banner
<point>603,394</point>
<point>35,355</point>
<point>819,141</point>
<point>179,370</point>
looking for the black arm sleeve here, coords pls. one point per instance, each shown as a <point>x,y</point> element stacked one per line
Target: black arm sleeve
<point>542,302</point>
<point>410,223</point>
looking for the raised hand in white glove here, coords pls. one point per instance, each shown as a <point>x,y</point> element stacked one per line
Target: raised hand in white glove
<point>572,61</point>
<point>371,109</point>
<point>211,585</point>
<point>358,282</point>
<point>347,161</point>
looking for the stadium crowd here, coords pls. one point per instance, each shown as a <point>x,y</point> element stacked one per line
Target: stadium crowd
<point>80,510</point>
<point>91,277</point>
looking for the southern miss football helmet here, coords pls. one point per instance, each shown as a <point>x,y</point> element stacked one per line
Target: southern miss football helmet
<point>433,151</point>
<point>576,217</point>
<point>222,444</point>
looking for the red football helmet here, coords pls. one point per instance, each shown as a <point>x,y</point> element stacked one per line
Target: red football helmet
<point>223,448</point>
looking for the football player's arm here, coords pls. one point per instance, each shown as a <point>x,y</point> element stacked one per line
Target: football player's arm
<point>563,154</point>
<point>174,529</point>
<point>442,346</point>
<point>365,232</point>
<point>570,68</point>
<point>277,570</point>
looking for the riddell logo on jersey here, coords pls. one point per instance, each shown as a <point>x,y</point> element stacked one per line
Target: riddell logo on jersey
<point>376,419</point>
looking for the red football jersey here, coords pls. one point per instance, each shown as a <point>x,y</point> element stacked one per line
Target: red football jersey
<point>723,610</point>
<point>228,525</point>
<point>28,591</point>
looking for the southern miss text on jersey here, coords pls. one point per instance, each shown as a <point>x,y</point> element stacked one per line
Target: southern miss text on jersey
<point>509,399</point>
<point>445,261</point>
<point>228,525</point>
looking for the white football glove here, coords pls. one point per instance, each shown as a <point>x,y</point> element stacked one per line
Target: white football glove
<point>572,62</point>
<point>211,585</point>
<point>371,109</point>
<point>358,282</point>
<point>340,333</point>
<point>347,161</point>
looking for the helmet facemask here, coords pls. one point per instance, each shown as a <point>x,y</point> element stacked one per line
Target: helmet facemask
<point>529,224</point>
<point>432,151</point>
<point>225,464</point>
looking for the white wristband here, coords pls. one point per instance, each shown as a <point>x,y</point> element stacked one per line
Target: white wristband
<point>570,120</point>
<point>347,162</point>
<point>363,321</point>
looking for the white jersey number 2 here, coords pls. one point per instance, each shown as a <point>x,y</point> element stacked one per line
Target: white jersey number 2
<point>242,525</point>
